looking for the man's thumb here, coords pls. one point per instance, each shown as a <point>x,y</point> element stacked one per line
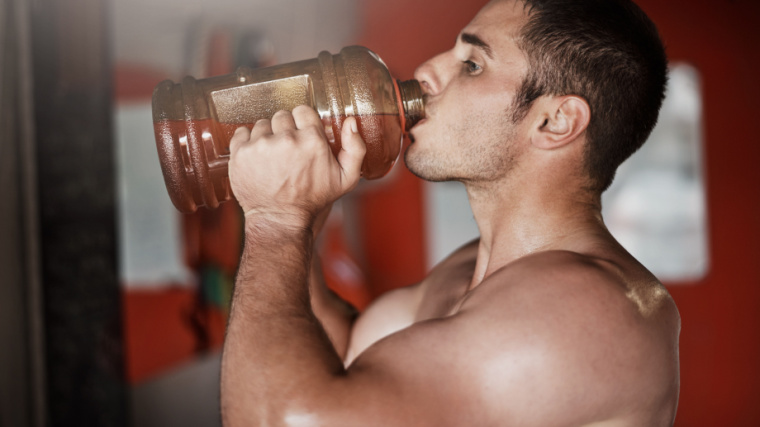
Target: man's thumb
<point>351,154</point>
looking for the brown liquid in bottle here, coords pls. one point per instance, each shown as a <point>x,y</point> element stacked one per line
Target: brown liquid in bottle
<point>194,121</point>
<point>378,161</point>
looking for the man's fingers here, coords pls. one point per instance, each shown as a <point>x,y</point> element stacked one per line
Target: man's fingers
<point>351,154</point>
<point>283,121</point>
<point>240,137</point>
<point>306,116</point>
<point>261,129</point>
<point>307,119</point>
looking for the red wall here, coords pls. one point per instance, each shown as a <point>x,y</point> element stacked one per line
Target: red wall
<point>720,339</point>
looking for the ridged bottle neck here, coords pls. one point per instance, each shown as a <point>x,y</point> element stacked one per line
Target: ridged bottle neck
<point>412,102</point>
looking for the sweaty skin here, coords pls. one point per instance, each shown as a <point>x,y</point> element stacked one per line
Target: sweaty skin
<point>543,321</point>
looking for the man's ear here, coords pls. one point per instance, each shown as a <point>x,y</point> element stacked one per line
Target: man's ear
<point>563,120</point>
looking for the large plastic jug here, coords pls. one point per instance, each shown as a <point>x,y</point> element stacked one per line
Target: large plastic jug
<point>195,120</point>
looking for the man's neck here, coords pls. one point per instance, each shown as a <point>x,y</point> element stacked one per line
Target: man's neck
<point>518,219</point>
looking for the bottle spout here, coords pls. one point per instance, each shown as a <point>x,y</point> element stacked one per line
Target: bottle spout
<point>412,101</point>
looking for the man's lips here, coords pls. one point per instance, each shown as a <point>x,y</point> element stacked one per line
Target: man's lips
<point>428,111</point>
<point>415,127</point>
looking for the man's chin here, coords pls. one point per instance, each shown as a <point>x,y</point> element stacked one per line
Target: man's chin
<point>420,169</point>
<point>412,164</point>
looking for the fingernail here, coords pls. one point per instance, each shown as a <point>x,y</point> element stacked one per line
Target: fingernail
<point>354,127</point>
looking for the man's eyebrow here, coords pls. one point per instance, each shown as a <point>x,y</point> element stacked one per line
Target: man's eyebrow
<point>476,41</point>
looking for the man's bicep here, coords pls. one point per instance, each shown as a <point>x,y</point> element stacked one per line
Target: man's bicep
<point>479,367</point>
<point>465,369</point>
<point>418,376</point>
<point>390,313</point>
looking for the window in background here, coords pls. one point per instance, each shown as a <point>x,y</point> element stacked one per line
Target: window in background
<point>656,206</point>
<point>150,243</point>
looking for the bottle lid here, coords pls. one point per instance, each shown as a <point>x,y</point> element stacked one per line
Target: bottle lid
<point>412,101</point>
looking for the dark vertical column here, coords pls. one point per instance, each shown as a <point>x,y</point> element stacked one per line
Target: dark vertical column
<point>14,382</point>
<point>22,358</point>
<point>72,98</point>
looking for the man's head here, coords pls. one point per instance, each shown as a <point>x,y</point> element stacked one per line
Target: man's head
<point>550,71</point>
<point>609,53</point>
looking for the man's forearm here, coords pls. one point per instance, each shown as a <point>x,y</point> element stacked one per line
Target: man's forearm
<point>336,315</point>
<point>276,352</point>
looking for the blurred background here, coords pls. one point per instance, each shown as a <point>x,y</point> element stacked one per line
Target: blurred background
<point>113,305</point>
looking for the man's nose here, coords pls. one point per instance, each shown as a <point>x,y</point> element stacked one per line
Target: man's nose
<point>431,75</point>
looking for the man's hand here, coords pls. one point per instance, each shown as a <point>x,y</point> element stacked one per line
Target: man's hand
<point>283,169</point>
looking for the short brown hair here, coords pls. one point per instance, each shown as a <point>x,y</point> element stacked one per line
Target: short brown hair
<point>608,52</point>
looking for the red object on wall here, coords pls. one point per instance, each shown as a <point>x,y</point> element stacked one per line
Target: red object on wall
<point>720,338</point>
<point>341,269</point>
<point>134,83</point>
<point>161,326</point>
<point>214,237</point>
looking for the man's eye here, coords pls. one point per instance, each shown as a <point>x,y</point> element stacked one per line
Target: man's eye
<point>471,67</point>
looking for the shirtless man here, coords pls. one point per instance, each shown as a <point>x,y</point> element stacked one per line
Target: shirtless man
<point>544,321</point>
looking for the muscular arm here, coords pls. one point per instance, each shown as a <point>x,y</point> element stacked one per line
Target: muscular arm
<point>335,315</point>
<point>278,366</point>
<point>275,349</point>
<point>277,354</point>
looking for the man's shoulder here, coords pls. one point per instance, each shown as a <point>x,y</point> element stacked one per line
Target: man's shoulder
<point>579,289</point>
<point>549,273</point>
<point>578,322</point>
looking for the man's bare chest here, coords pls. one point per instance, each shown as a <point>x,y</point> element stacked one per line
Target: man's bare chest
<point>444,291</point>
